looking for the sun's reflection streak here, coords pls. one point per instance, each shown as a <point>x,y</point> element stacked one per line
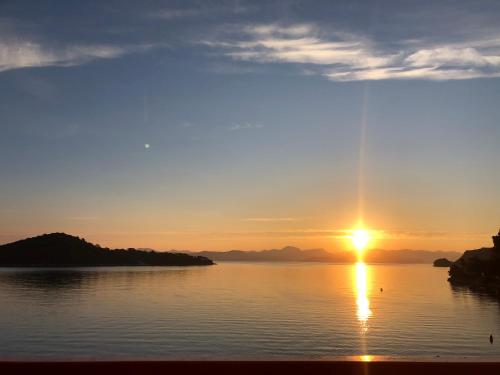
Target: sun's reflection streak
<point>363,311</point>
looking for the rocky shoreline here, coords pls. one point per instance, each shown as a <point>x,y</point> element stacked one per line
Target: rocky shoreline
<point>479,269</point>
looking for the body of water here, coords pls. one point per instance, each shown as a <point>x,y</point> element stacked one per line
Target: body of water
<point>243,311</point>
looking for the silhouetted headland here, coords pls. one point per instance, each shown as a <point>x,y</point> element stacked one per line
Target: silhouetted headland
<point>478,268</point>
<point>63,250</point>
<point>442,262</point>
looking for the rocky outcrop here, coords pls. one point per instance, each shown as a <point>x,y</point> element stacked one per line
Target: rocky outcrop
<point>477,268</point>
<point>442,262</point>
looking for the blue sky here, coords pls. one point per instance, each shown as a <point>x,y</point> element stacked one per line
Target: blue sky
<point>232,124</point>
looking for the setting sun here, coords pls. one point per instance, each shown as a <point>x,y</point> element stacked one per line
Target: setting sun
<point>360,238</point>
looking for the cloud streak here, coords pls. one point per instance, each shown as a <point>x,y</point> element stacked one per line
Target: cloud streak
<point>202,10</point>
<point>342,56</point>
<point>247,125</point>
<point>345,234</point>
<point>17,54</point>
<point>271,219</point>
<point>169,14</point>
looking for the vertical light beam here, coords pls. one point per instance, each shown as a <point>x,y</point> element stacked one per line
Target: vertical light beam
<point>361,156</point>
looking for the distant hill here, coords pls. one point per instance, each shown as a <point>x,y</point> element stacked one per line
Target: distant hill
<point>63,250</point>
<point>295,254</point>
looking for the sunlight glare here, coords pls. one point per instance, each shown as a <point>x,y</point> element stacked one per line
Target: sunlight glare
<point>360,238</point>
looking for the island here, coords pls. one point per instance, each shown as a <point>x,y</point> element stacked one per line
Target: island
<point>64,250</point>
<point>478,268</point>
<point>442,262</point>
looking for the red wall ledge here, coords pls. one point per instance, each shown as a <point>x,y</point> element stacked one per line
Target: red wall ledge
<point>248,367</point>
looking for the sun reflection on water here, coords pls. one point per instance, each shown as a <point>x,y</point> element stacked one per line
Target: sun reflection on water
<point>363,303</point>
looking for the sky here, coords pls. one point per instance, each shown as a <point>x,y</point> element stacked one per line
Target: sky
<point>216,125</point>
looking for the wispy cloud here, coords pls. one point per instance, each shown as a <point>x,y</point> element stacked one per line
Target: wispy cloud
<point>169,14</point>
<point>202,9</point>
<point>438,235</point>
<point>246,125</point>
<point>53,130</point>
<point>343,234</point>
<point>272,219</point>
<point>187,124</point>
<point>341,56</point>
<point>84,218</point>
<point>302,44</point>
<point>16,54</point>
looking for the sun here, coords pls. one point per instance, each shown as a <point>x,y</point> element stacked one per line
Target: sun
<point>360,238</point>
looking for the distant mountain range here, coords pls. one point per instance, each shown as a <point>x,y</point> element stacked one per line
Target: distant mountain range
<point>295,254</point>
<point>63,250</point>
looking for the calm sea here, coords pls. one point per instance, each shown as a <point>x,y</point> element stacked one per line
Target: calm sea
<point>243,310</point>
